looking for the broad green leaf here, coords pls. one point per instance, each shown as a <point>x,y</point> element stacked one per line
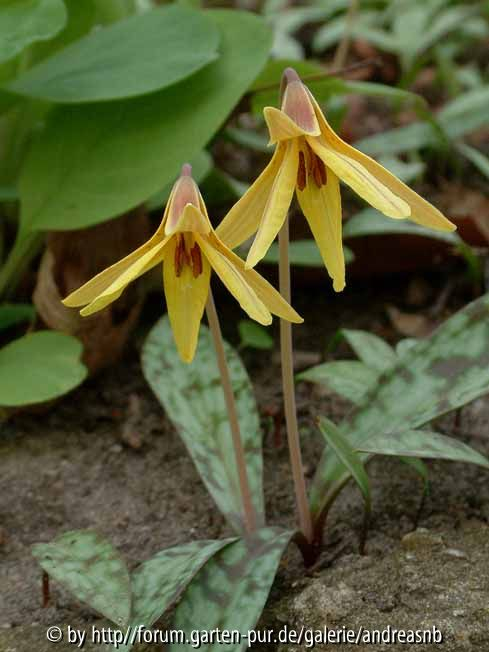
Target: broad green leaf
<point>91,568</point>
<point>346,456</point>
<point>39,367</point>
<point>303,253</point>
<point>348,378</point>
<point>96,161</point>
<point>132,57</point>
<point>434,376</point>
<point>422,443</point>
<point>254,336</point>
<point>231,590</point>
<point>401,169</point>
<point>403,346</point>
<point>15,313</point>
<point>23,22</point>
<point>8,193</point>
<point>193,399</point>
<point>201,166</point>
<point>371,350</point>
<point>220,187</point>
<point>158,583</point>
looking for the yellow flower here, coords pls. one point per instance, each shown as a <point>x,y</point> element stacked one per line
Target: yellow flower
<point>188,246</point>
<point>311,158</point>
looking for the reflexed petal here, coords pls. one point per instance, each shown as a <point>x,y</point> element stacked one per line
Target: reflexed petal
<point>356,175</point>
<point>186,297</point>
<point>422,212</point>
<point>322,209</point>
<point>235,282</point>
<point>244,217</point>
<point>282,127</point>
<point>115,289</point>
<point>277,205</point>
<point>95,286</point>
<point>272,299</point>
<point>192,220</point>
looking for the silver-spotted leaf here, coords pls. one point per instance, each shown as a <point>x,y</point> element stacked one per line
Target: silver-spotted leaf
<point>422,443</point>
<point>231,590</point>
<point>91,569</point>
<point>371,350</point>
<point>348,378</point>
<point>193,399</point>
<point>135,56</point>
<point>434,376</point>
<point>157,583</point>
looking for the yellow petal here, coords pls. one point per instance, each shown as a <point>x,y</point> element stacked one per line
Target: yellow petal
<point>115,289</point>
<point>422,211</point>
<point>272,299</point>
<point>235,282</point>
<point>277,205</point>
<point>322,209</point>
<point>192,220</point>
<point>244,217</point>
<point>356,175</point>
<point>186,297</point>
<point>184,192</point>
<point>282,127</point>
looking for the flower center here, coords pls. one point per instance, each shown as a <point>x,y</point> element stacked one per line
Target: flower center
<point>187,252</point>
<point>310,168</point>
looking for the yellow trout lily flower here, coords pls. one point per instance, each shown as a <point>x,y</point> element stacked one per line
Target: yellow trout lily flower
<point>311,158</point>
<point>188,246</point>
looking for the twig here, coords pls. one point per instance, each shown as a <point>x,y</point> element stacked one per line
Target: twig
<point>341,53</point>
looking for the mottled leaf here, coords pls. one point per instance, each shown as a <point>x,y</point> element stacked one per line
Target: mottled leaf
<point>23,22</point>
<point>348,378</point>
<point>135,56</point>
<point>434,376</point>
<point>254,335</point>
<point>96,161</point>
<point>39,367</point>
<point>346,456</point>
<point>193,399</point>
<point>90,568</point>
<point>157,583</point>
<point>403,346</point>
<point>371,350</point>
<point>230,591</point>
<point>422,443</point>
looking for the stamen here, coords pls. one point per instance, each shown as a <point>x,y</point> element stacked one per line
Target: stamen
<point>319,171</point>
<point>196,256</point>
<point>301,172</point>
<point>179,255</point>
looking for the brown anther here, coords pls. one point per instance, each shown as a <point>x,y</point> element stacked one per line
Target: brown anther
<point>196,256</point>
<point>180,255</point>
<point>301,172</point>
<point>319,172</point>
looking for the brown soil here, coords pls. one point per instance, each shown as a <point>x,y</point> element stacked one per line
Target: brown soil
<point>71,468</point>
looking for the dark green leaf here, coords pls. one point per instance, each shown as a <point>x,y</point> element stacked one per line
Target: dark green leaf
<point>348,378</point>
<point>346,456</point>
<point>421,443</point>
<point>90,568</point>
<point>254,335</point>
<point>94,162</point>
<point>193,399</point>
<point>230,591</point>
<point>132,57</point>
<point>302,253</point>
<point>23,22</point>
<point>15,313</point>
<point>39,367</point>
<point>476,157</point>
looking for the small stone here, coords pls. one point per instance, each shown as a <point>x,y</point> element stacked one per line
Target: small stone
<point>454,552</point>
<point>421,539</point>
<point>458,613</point>
<point>116,448</point>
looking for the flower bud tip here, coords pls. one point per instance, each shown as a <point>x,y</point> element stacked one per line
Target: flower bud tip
<point>186,170</point>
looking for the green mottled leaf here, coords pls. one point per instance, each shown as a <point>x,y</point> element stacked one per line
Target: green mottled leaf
<point>135,56</point>
<point>15,313</point>
<point>302,253</point>
<point>348,378</point>
<point>193,399</point>
<point>434,376</point>
<point>158,583</point>
<point>96,161</point>
<point>23,22</point>
<point>254,335</point>
<point>346,456</point>
<point>422,443</point>
<point>90,568</point>
<point>39,367</point>
<point>231,590</point>
<point>403,346</point>
<point>371,350</point>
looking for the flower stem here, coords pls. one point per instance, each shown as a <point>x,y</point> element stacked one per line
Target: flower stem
<point>286,354</point>
<point>248,507</point>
